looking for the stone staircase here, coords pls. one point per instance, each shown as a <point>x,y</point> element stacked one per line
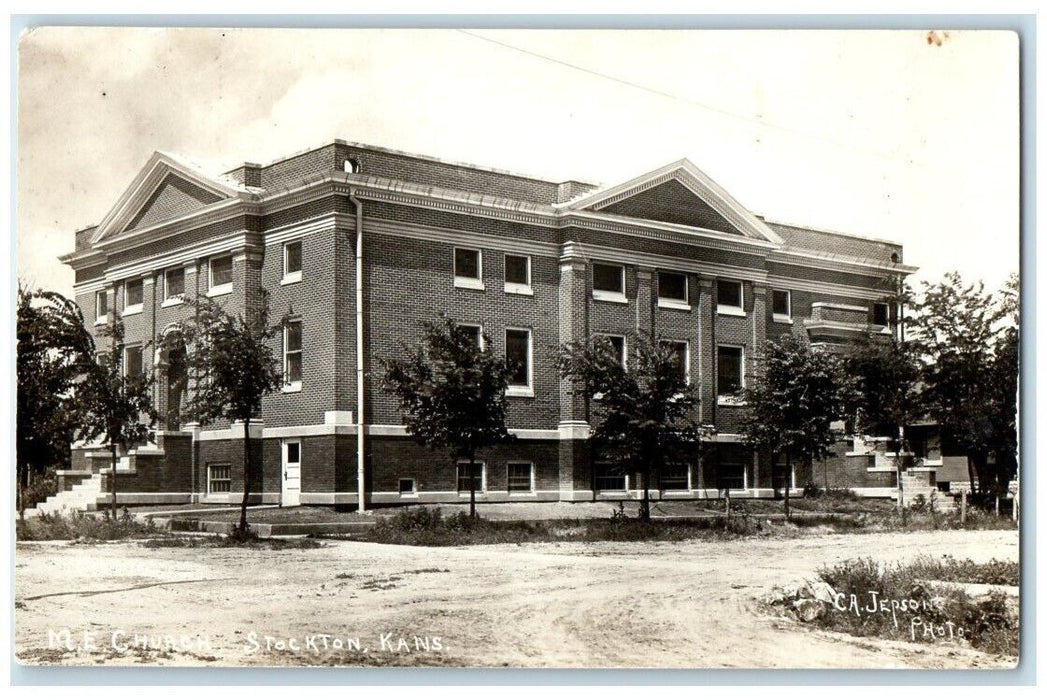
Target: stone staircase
<point>83,496</point>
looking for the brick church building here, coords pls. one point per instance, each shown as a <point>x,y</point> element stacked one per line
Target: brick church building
<point>357,245</point>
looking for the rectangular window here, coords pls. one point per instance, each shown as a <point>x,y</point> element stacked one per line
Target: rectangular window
<point>101,306</point>
<point>607,477</point>
<point>681,358</point>
<point>608,282</point>
<point>133,361</point>
<point>674,477</point>
<point>730,476</point>
<point>292,262</point>
<point>103,359</point>
<point>728,370</point>
<point>406,487</point>
<point>218,478</point>
<point>672,290</point>
<point>133,294</point>
<point>518,274</point>
<point>293,453</point>
<point>293,355</point>
<point>518,356</point>
<point>468,268</point>
<point>881,314</point>
<point>477,474</point>
<point>520,477</point>
<point>475,333</point>
<point>220,271</point>
<point>617,347</point>
<point>729,298</point>
<point>174,284</point>
<point>781,305</point>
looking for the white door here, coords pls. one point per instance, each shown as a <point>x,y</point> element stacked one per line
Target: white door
<point>291,485</point>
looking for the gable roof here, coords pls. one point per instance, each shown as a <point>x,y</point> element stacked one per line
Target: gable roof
<point>713,205</point>
<point>188,186</point>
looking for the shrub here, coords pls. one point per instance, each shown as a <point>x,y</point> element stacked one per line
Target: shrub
<point>82,526</point>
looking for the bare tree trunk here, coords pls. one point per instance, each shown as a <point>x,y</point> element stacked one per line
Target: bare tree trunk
<point>112,476</point>
<point>472,487</point>
<point>23,486</point>
<point>247,476</point>
<point>788,481</point>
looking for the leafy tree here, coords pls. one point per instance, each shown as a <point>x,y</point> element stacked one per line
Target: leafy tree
<point>970,373</point>
<point>54,351</point>
<point>887,372</point>
<point>452,393</point>
<point>643,410</point>
<point>115,401</point>
<point>235,366</point>
<point>792,400</point>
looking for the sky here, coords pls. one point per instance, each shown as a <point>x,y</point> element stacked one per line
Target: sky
<point>875,133</point>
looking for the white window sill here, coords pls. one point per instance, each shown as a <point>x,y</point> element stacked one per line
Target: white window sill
<point>292,277</point>
<point>102,320</point>
<point>468,283</point>
<point>408,495</point>
<point>729,401</point>
<point>520,391</point>
<point>465,494</point>
<point>674,304</point>
<point>292,388</point>
<point>132,310</point>
<point>220,290</point>
<point>779,318</point>
<point>522,494</point>
<point>173,301</point>
<point>614,297</point>
<point>522,289</point>
<point>730,311</point>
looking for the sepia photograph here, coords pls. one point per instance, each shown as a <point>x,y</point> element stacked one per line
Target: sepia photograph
<point>517,348</point>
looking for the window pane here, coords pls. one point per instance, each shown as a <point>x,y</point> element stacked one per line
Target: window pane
<point>406,485</point>
<point>516,350</point>
<point>729,370</point>
<point>133,361</point>
<point>218,480</point>
<point>134,292</point>
<point>618,344</point>
<point>294,367</point>
<point>294,336</point>
<point>880,314</point>
<point>609,278</point>
<point>608,478</point>
<point>473,333</point>
<point>673,478</point>
<point>294,452</point>
<point>519,476</point>
<point>467,263</point>
<point>517,269</point>
<point>729,293</point>
<point>672,285</point>
<point>101,304</point>
<point>780,303</point>
<point>174,282</point>
<point>221,271</point>
<point>463,477</point>
<point>680,357</point>
<point>293,257</point>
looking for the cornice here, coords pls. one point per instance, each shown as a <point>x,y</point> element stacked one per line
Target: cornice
<point>823,261</point>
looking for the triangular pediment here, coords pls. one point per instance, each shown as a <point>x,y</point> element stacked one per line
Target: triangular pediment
<point>166,188</point>
<point>678,193</point>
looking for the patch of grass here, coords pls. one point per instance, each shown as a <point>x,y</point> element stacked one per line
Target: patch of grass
<point>948,568</point>
<point>81,527</point>
<point>904,608</point>
<point>224,541</point>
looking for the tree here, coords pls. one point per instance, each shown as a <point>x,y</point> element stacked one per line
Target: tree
<point>235,366</point>
<point>452,393</point>
<point>970,371</point>
<point>643,408</point>
<point>887,372</point>
<point>54,351</point>
<point>794,396</point>
<point>114,400</point>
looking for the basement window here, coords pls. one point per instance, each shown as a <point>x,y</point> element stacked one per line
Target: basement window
<point>219,479</point>
<point>406,487</point>
<point>477,473</point>
<point>520,477</point>
<point>730,477</point>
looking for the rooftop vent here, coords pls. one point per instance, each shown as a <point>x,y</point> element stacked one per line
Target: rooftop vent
<point>351,165</point>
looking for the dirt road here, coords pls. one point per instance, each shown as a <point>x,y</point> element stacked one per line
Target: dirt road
<point>682,605</point>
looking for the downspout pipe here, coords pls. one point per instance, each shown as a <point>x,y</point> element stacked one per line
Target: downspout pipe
<point>360,493</point>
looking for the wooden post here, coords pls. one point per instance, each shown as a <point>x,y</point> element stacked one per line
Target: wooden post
<point>963,507</point>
